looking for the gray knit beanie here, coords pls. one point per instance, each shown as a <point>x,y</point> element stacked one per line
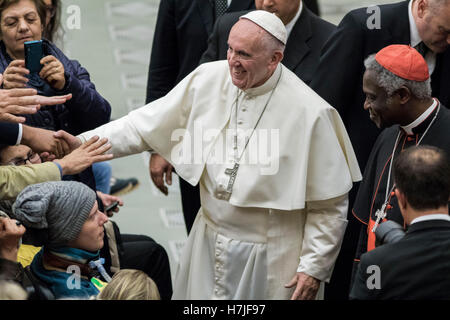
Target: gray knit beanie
<point>60,207</point>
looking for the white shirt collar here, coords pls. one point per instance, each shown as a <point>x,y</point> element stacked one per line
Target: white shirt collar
<point>408,128</point>
<point>291,23</point>
<point>415,39</point>
<point>414,33</point>
<point>437,216</point>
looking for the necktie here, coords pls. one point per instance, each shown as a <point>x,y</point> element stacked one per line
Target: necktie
<point>422,49</point>
<point>220,7</point>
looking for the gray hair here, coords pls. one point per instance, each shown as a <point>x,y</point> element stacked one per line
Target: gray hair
<point>391,82</point>
<point>269,42</point>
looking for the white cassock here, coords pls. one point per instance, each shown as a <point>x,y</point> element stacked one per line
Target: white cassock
<point>287,211</point>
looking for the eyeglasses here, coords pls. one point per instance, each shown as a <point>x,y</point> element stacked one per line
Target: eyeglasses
<point>51,10</point>
<point>20,162</point>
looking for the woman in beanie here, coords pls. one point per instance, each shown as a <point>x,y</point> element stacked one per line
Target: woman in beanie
<point>68,213</point>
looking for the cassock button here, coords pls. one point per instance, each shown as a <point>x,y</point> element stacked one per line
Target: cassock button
<point>244,109</point>
<point>240,122</point>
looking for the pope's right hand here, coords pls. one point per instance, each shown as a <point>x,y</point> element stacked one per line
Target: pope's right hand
<point>158,166</point>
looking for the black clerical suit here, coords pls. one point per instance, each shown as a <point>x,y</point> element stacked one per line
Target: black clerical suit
<point>303,46</point>
<point>416,267</point>
<point>338,79</point>
<point>181,35</point>
<point>312,5</point>
<point>372,191</point>
<point>9,133</point>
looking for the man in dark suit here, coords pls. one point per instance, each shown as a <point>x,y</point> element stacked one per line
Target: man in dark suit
<point>416,266</point>
<point>307,34</point>
<point>313,5</point>
<point>181,35</point>
<point>338,79</point>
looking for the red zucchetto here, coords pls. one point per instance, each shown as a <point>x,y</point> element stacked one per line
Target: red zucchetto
<point>403,61</point>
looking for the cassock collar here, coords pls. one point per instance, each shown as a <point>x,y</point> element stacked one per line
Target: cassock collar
<point>267,86</point>
<point>421,123</point>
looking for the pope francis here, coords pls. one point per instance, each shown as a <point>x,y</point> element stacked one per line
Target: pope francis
<point>273,161</point>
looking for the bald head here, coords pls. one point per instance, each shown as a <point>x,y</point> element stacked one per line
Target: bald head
<point>432,18</point>
<point>253,54</point>
<point>422,174</point>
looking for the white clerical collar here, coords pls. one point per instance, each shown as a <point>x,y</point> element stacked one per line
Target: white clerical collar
<point>413,32</point>
<point>266,86</point>
<point>291,23</point>
<point>408,128</point>
<point>415,39</point>
<point>437,216</point>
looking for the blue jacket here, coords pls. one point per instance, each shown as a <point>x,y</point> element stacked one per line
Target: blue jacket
<point>85,111</point>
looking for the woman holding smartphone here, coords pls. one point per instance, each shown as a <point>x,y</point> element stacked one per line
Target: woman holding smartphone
<point>22,21</point>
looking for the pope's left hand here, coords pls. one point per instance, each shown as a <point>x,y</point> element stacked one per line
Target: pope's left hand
<point>307,286</point>
<point>53,72</point>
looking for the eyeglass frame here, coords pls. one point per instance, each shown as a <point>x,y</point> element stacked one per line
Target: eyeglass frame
<point>21,162</point>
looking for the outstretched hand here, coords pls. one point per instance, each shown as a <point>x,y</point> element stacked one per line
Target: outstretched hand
<point>71,141</point>
<point>83,157</point>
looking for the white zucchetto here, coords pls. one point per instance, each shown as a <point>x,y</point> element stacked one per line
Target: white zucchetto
<point>269,22</point>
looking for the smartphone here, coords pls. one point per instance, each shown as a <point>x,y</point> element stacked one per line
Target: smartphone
<point>112,206</point>
<point>33,55</point>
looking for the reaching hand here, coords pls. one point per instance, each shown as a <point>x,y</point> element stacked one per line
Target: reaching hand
<point>14,102</point>
<point>306,288</point>
<point>41,140</point>
<point>51,101</point>
<point>72,141</point>
<point>158,166</point>
<point>83,157</point>
<point>53,72</point>
<point>10,234</point>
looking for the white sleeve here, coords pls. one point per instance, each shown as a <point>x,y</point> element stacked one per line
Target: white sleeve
<point>19,135</point>
<point>325,226</point>
<point>124,137</point>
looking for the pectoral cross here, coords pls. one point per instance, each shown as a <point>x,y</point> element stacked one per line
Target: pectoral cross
<point>232,173</point>
<point>380,214</point>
